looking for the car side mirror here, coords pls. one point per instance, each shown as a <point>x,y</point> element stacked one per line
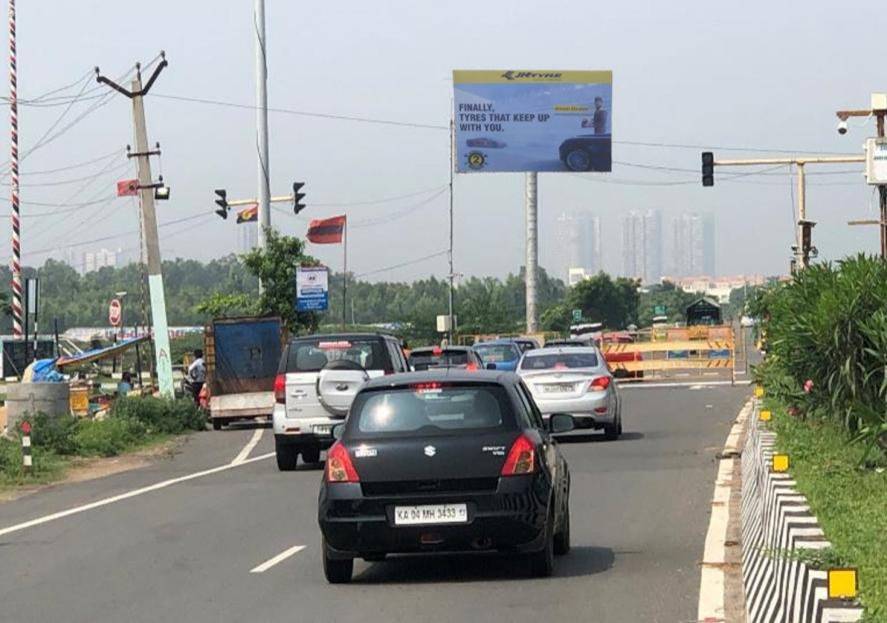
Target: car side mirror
<point>337,431</point>
<point>491,366</point>
<point>561,423</point>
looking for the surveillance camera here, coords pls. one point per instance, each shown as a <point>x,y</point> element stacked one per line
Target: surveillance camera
<point>842,127</point>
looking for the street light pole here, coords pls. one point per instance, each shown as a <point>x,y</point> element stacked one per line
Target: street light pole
<point>264,174</point>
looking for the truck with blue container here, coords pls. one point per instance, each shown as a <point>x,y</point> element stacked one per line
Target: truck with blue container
<point>241,356</point>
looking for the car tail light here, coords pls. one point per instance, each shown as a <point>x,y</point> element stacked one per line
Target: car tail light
<point>471,367</point>
<point>600,384</point>
<point>280,388</point>
<point>339,467</point>
<point>521,458</point>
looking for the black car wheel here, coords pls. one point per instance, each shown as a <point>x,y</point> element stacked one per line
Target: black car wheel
<point>336,571</point>
<point>287,456</point>
<point>542,562</point>
<point>311,454</point>
<point>578,160</point>
<point>217,424</point>
<point>612,431</point>
<point>562,538</point>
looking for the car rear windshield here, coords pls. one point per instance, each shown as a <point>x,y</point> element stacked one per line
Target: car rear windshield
<point>559,361</point>
<point>494,353</point>
<point>428,359</point>
<point>429,409</point>
<point>312,354</point>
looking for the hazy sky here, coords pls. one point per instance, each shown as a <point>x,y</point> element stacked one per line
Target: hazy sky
<point>751,74</point>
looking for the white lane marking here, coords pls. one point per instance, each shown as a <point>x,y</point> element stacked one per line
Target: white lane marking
<point>262,568</point>
<point>240,458</point>
<point>711,583</point>
<point>125,496</point>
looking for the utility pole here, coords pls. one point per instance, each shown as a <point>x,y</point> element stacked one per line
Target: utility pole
<point>17,307</point>
<point>452,326</point>
<point>803,247</point>
<point>149,219</point>
<point>532,251</point>
<point>879,111</point>
<point>264,172</point>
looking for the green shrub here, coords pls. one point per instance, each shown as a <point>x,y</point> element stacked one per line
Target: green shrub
<point>55,433</point>
<point>108,437</point>
<point>161,415</point>
<point>829,326</point>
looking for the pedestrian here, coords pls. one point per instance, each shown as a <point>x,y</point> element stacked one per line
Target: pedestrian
<point>197,375</point>
<point>125,384</point>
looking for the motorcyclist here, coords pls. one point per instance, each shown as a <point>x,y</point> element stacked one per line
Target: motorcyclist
<point>197,374</point>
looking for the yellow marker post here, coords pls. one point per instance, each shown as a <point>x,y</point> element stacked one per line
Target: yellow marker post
<point>759,391</point>
<point>779,463</point>
<point>842,583</point>
<point>765,415</point>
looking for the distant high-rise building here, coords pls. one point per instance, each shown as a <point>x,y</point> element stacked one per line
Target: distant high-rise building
<point>693,245</point>
<point>247,237</point>
<point>582,234</point>
<point>642,245</point>
<point>93,261</point>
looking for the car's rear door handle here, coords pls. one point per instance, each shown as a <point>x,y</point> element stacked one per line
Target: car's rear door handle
<point>298,393</point>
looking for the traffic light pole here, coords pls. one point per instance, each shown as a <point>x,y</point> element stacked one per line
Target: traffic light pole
<point>149,222</point>
<point>803,233</point>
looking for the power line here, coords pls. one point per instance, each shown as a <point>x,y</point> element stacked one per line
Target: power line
<point>75,180</point>
<point>403,264</point>
<point>303,113</point>
<point>375,201</point>
<point>77,165</point>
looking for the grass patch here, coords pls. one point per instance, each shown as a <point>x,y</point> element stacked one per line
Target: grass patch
<point>132,424</point>
<point>850,501</point>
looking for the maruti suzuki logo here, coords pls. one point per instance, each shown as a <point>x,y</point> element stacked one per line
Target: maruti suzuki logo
<point>531,75</point>
<point>430,450</point>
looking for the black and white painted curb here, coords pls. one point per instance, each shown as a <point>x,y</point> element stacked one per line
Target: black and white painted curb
<point>777,521</point>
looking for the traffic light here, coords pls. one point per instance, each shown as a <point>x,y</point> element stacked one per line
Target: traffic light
<point>708,168</point>
<point>222,202</point>
<point>298,206</point>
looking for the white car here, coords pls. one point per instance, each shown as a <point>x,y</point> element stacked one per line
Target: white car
<point>316,382</point>
<point>574,380</point>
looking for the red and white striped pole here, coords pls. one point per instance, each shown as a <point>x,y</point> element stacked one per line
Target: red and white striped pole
<point>26,446</point>
<point>17,307</point>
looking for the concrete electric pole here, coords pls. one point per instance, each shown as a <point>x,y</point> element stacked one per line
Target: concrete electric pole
<point>264,171</point>
<point>149,220</point>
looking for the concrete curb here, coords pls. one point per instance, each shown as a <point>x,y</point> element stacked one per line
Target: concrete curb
<point>777,521</point>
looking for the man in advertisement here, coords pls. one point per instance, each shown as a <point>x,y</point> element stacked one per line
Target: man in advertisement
<point>599,120</point>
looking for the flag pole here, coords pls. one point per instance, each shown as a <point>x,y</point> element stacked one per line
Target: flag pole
<point>344,272</point>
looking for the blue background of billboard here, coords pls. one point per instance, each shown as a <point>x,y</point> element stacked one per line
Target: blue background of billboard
<point>529,146</point>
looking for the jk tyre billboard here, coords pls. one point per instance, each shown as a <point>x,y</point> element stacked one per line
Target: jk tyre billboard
<point>523,120</point>
<point>312,288</point>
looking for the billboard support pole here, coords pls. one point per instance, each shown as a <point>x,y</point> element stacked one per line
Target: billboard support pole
<point>532,263</point>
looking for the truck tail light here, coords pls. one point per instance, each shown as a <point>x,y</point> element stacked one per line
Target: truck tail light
<point>521,458</point>
<point>339,467</point>
<point>599,384</point>
<point>280,389</point>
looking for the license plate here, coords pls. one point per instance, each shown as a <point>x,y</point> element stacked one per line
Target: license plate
<point>430,514</point>
<point>553,388</point>
<point>322,429</point>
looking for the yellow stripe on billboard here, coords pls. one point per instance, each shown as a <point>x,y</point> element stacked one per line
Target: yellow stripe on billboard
<point>518,76</point>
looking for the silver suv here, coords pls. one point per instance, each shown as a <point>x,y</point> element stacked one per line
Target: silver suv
<point>317,379</point>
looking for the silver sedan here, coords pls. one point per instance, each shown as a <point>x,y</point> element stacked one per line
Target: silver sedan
<point>574,380</point>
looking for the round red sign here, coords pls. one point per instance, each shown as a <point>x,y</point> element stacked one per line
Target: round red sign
<point>115,312</point>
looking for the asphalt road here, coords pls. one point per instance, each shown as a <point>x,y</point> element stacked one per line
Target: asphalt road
<point>184,550</point>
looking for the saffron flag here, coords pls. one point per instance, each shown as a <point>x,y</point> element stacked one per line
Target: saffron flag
<point>249,214</point>
<point>327,230</point>
<point>127,188</point>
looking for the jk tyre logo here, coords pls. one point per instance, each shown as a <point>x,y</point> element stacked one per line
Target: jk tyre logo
<point>476,160</point>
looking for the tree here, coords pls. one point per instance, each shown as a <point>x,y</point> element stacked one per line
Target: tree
<point>601,299</point>
<point>668,295</point>
<point>275,266</point>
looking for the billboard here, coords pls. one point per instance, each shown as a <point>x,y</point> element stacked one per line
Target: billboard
<point>312,288</point>
<point>519,120</point>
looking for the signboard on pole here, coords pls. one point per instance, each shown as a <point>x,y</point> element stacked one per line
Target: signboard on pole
<point>659,310</point>
<point>312,288</point>
<point>577,315</point>
<point>531,121</point>
<point>115,312</point>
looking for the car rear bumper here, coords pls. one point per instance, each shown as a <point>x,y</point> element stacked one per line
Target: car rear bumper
<point>512,518</point>
<point>302,429</point>
<point>584,410</point>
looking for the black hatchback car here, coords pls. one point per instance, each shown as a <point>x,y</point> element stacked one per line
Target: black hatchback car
<point>445,461</point>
